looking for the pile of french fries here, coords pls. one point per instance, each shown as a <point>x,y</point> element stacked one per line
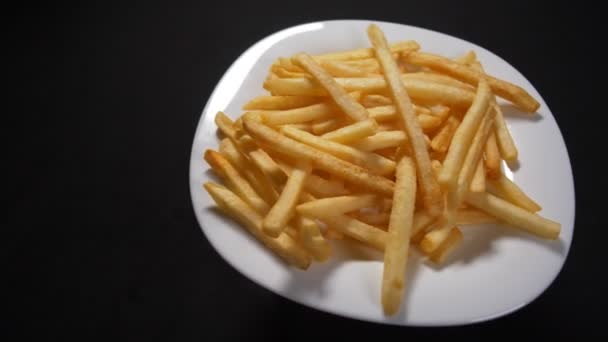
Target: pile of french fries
<point>386,146</point>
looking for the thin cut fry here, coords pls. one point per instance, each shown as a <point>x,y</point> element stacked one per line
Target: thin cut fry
<point>507,148</point>
<point>225,124</point>
<point>514,215</point>
<point>492,156</point>
<point>506,189</point>
<point>350,107</point>
<point>353,132</point>
<point>504,89</point>
<point>421,90</point>
<point>284,246</point>
<point>467,59</point>
<point>284,208</point>
<point>312,239</point>
<point>353,228</point>
<point>473,216</point>
<point>441,140</point>
<point>375,163</point>
<point>433,199</point>
<point>235,181</point>
<point>463,137</point>
<point>399,230</point>
<point>453,239</point>
<point>478,183</point>
<point>321,160</point>
<point>319,111</point>
<point>333,206</point>
<point>398,47</point>
<point>375,100</point>
<point>381,140</point>
<point>435,237</point>
<point>341,69</point>
<point>323,126</point>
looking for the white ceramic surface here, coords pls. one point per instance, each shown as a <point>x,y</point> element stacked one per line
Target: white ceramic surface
<point>496,270</point>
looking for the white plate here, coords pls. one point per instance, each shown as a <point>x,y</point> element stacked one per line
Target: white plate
<point>495,271</point>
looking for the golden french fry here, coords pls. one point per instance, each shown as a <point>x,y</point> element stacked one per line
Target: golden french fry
<point>478,183</point>
<point>268,166</point>
<point>333,234</point>
<point>399,47</point>
<point>473,216</point>
<point>353,132</point>
<point>374,219</point>
<point>504,89</point>
<point>284,208</point>
<point>441,79</point>
<point>285,73</point>
<point>312,239</point>
<point>472,159</point>
<point>284,246</point>
<point>260,182</point>
<point>440,111</point>
<point>441,140</point>
<point>380,140</point>
<point>341,69</point>
<point>435,237</point>
<point>506,189</point>
<point>514,215</point>
<point>467,59</point>
<point>318,111</point>
<point>225,124</point>
<point>375,163</point>
<point>235,181</point>
<point>423,221</point>
<point>463,137</point>
<point>399,230</point>
<point>360,231</point>
<point>301,126</point>
<point>428,122</point>
<point>507,148</point>
<point>321,160</point>
<point>316,185</point>
<point>333,206</point>
<point>421,90</point>
<point>429,187</point>
<point>349,106</point>
<point>389,112</point>
<point>369,65</point>
<point>323,126</point>
<point>375,100</point>
<point>288,64</point>
<point>492,156</point>
<point>453,239</point>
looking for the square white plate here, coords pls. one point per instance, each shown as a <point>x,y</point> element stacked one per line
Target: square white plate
<point>494,272</point>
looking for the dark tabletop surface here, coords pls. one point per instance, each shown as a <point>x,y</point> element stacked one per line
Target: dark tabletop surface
<point>102,238</point>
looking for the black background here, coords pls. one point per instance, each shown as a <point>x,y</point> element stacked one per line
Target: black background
<point>100,234</point>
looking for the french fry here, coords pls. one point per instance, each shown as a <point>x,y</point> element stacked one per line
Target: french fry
<point>360,231</point>
<point>399,230</point>
<point>353,132</point>
<point>421,90</point>
<point>472,159</point>
<point>507,148</point>
<point>503,187</point>
<point>428,122</point>
<point>369,65</point>
<point>440,111</point>
<point>333,206</point>
<point>225,124</point>
<point>467,59</point>
<point>473,216</point>
<point>341,69</point>
<point>441,140</point>
<point>441,79</point>
<point>323,126</point>
<point>267,165</point>
<point>422,222</point>
<point>492,157</point>
<point>375,163</point>
<point>374,219</point>
<point>284,246</point>
<point>350,107</point>
<point>433,199</point>
<point>375,100</point>
<point>478,183</point>
<point>453,239</point>
<point>312,240</point>
<point>389,112</point>
<point>398,47</point>
<point>463,137</point>
<point>284,208</point>
<point>435,237</point>
<point>380,140</point>
<point>301,126</point>
<point>237,183</point>
<point>318,186</point>
<point>504,89</point>
<point>260,182</point>
<point>318,111</point>
<point>285,73</point>
<point>321,160</point>
<point>288,64</point>
<point>514,215</point>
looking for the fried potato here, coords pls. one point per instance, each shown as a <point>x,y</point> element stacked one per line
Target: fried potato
<point>352,132</point>
<point>333,206</point>
<point>492,156</point>
<point>381,140</point>
<point>284,246</point>
<point>503,187</point>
